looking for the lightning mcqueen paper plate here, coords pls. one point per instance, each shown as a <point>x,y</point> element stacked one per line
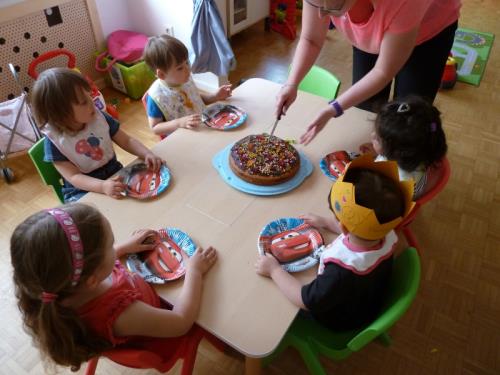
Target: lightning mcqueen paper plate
<point>295,244</point>
<point>167,261</point>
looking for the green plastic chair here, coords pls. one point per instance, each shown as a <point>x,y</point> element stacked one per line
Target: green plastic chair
<point>47,171</point>
<point>321,82</point>
<point>311,339</point>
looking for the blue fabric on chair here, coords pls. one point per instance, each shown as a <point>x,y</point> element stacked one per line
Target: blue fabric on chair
<point>211,51</point>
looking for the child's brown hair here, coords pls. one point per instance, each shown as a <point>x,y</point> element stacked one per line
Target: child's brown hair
<point>163,52</point>
<point>375,191</point>
<point>53,95</point>
<point>42,262</point>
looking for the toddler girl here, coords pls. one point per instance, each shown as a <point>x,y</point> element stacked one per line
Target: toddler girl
<point>78,301</point>
<point>79,138</point>
<point>173,101</point>
<point>410,133</point>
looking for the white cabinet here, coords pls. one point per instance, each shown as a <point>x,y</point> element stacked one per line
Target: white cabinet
<point>240,14</point>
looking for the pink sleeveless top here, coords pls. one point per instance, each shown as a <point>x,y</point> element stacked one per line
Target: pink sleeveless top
<point>101,313</point>
<point>399,16</point>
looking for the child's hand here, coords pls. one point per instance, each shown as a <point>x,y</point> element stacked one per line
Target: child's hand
<point>367,148</point>
<point>114,187</point>
<point>202,260</point>
<point>314,220</point>
<point>137,242</point>
<point>153,162</point>
<point>266,264</point>
<point>190,122</point>
<point>223,92</point>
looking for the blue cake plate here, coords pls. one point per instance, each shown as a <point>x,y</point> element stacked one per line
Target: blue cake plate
<point>221,163</point>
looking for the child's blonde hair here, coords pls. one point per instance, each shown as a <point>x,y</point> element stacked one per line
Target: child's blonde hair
<point>53,95</point>
<point>42,262</point>
<point>163,52</point>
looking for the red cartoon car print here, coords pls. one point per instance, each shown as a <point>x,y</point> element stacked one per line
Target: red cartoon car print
<point>294,244</point>
<point>337,162</point>
<point>145,181</point>
<point>166,260</point>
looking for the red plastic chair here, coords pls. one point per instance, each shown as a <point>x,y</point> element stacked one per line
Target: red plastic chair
<point>444,170</point>
<point>143,359</point>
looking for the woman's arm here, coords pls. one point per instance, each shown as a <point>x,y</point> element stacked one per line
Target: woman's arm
<point>394,52</point>
<point>311,41</point>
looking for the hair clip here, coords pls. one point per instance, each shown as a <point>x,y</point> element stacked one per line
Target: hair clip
<point>403,107</point>
<point>433,127</point>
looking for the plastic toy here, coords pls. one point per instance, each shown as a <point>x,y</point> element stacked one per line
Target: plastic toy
<point>96,95</point>
<point>450,73</point>
<point>282,17</point>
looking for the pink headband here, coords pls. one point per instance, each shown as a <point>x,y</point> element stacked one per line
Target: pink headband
<point>74,241</point>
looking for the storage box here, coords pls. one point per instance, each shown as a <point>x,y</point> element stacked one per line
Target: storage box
<point>133,80</point>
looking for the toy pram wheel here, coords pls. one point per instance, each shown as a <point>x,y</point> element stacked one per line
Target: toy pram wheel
<point>8,175</point>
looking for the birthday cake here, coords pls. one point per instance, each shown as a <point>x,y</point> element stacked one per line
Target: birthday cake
<point>264,159</point>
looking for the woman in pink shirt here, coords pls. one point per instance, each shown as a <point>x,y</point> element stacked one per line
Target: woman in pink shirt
<point>405,40</point>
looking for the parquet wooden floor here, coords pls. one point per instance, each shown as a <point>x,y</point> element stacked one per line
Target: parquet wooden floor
<point>453,327</point>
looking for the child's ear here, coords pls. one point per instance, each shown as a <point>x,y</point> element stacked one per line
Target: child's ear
<point>160,74</point>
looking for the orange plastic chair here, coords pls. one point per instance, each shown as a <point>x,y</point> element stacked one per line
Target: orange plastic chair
<point>444,171</point>
<point>143,359</point>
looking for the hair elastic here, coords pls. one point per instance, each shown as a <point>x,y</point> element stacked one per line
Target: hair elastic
<point>433,127</point>
<point>75,243</point>
<point>47,297</point>
<point>403,107</point>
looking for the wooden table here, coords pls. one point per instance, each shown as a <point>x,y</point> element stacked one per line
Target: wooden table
<point>243,309</point>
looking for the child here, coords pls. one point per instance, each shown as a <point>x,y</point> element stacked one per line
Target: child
<point>78,301</point>
<point>410,133</point>
<point>79,138</point>
<point>173,101</point>
<point>354,272</point>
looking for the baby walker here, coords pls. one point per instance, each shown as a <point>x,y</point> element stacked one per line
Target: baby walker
<point>96,95</point>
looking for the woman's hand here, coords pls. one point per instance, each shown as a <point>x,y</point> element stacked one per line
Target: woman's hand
<point>114,187</point>
<point>138,242</point>
<point>266,264</point>
<point>316,126</point>
<point>153,162</point>
<point>202,260</point>
<point>285,98</point>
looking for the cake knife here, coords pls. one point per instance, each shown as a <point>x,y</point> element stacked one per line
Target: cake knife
<point>275,123</point>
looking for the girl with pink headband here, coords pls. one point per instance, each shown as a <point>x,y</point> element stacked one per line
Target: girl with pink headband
<point>78,301</point>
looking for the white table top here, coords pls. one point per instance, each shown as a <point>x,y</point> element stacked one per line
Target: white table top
<point>240,307</point>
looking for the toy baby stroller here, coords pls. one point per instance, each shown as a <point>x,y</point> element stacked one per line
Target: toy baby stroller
<point>18,129</point>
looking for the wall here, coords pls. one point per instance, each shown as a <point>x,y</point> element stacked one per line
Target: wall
<point>149,17</point>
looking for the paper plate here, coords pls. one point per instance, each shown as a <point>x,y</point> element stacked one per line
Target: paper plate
<point>333,164</point>
<point>223,116</point>
<point>167,261</point>
<point>295,244</point>
<point>221,163</point>
<point>143,183</point>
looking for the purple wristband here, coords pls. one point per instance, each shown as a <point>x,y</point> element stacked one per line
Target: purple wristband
<point>338,109</point>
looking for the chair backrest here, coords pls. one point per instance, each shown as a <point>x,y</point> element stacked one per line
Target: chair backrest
<point>404,286</point>
<point>47,171</point>
<point>444,171</point>
<point>321,82</point>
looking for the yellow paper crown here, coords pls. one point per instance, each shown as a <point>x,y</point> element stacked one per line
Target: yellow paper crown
<point>360,220</point>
